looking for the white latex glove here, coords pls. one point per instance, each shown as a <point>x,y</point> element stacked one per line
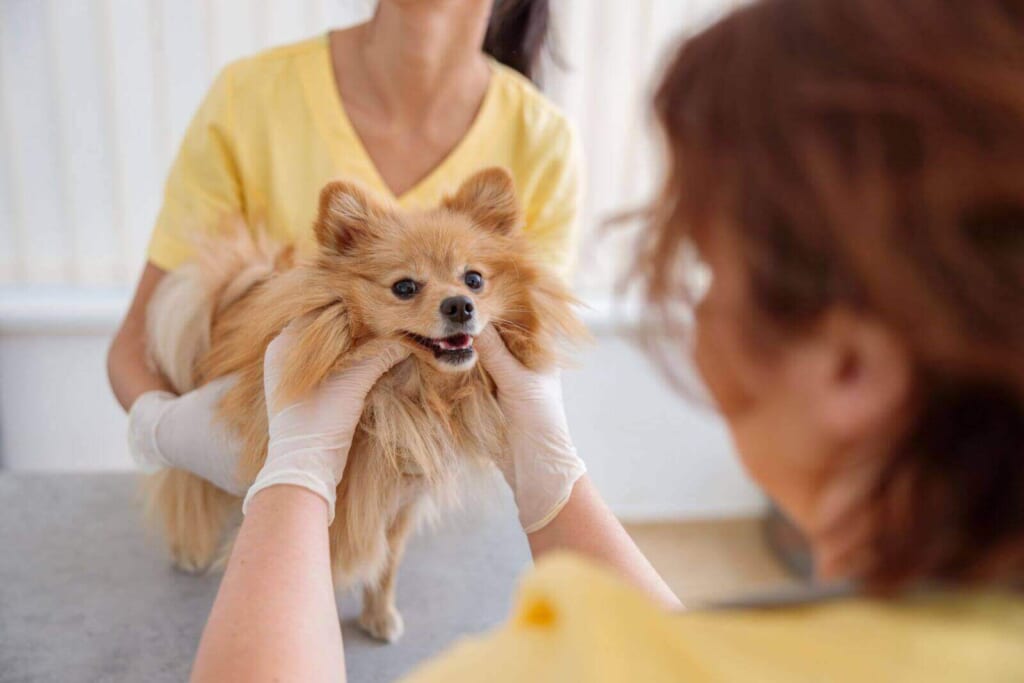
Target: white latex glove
<point>542,465</point>
<point>310,438</point>
<point>165,430</point>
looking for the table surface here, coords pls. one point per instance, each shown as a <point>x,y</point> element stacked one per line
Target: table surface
<point>87,592</point>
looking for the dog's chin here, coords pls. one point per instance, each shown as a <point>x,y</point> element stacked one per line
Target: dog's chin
<point>454,353</point>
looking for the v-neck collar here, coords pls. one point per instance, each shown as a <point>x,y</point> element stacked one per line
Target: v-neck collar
<point>345,143</point>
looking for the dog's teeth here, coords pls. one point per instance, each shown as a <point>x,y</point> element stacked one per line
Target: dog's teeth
<point>460,342</point>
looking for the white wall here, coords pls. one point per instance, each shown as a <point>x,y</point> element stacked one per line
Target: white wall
<point>94,96</point>
<point>652,454</point>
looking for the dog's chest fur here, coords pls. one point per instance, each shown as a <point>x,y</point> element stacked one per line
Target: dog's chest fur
<point>430,424</point>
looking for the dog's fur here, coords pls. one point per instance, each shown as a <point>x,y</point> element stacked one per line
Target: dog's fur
<point>425,422</point>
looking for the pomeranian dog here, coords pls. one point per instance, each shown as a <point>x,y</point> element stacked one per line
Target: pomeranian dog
<point>433,279</point>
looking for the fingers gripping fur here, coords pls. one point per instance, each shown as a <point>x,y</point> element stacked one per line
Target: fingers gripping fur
<point>323,339</point>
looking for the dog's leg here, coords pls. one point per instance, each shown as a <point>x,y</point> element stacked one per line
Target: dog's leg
<point>380,617</point>
<point>193,513</point>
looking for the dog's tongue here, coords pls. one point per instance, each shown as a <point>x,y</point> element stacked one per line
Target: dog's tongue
<point>454,342</point>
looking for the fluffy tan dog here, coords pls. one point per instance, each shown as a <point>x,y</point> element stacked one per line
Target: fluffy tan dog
<point>432,278</point>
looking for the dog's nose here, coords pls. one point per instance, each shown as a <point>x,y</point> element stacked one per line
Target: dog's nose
<point>458,309</point>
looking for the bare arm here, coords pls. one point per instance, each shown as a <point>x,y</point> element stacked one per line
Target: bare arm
<point>127,370</point>
<point>275,617</point>
<point>586,526</point>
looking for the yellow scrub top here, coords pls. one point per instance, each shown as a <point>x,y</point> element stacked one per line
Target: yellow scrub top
<point>574,622</point>
<point>272,131</point>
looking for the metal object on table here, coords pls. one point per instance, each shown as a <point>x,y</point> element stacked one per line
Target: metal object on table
<point>788,544</point>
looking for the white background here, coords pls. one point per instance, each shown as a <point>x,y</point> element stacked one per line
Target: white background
<point>94,97</point>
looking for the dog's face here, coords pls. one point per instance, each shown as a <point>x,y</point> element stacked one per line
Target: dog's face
<point>432,278</point>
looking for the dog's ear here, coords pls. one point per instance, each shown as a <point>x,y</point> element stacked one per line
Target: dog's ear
<point>489,198</point>
<point>347,212</point>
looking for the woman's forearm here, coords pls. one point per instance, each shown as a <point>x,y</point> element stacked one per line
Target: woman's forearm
<point>275,616</point>
<point>586,526</point>
<point>129,375</point>
<point>127,369</point>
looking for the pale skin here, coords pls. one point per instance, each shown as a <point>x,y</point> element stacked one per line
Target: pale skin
<point>275,617</point>
<point>412,80</point>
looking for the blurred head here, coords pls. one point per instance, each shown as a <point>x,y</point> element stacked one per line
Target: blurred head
<point>853,174</point>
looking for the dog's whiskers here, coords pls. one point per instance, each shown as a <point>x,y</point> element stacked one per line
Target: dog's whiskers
<point>510,323</point>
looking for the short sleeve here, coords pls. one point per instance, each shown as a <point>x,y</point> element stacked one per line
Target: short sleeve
<point>556,196</point>
<point>576,621</point>
<point>572,622</point>
<point>203,187</point>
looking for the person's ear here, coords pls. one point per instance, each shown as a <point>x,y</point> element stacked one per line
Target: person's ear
<point>489,198</point>
<point>854,374</point>
<point>347,215</point>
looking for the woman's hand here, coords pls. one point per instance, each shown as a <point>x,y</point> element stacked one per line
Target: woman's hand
<point>310,438</point>
<point>559,508</point>
<point>165,430</point>
<point>290,631</point>
<point>542,465</point>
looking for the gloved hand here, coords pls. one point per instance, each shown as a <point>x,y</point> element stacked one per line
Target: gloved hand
<point>541,466</point>
<point>165,430</point>
<point>310,438</point>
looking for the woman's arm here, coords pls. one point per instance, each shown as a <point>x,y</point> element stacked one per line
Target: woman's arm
<point>586,526</point>
<point>559,507</point>
<point>130,376</point>
<point>166,430</point>
<point>275,616</point>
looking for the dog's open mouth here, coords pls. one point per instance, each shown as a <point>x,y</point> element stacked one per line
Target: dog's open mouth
<point>455,349</point>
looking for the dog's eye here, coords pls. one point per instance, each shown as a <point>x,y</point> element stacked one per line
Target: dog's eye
<point>405,289</point>
<point>474,280</point>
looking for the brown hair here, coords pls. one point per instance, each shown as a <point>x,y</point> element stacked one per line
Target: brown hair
<point>870,154</point>
<point>517,33</point>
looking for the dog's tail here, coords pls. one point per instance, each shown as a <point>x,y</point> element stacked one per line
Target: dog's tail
<point>180,315</point>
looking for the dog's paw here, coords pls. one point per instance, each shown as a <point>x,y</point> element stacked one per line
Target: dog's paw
<point>190,562</point>
<point>384,624</point>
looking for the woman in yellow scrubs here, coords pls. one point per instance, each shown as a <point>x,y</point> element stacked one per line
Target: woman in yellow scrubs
<point>409,105</point>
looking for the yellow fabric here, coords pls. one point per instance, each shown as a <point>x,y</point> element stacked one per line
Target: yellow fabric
<point>272,131</point>
<point>575,622</point>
